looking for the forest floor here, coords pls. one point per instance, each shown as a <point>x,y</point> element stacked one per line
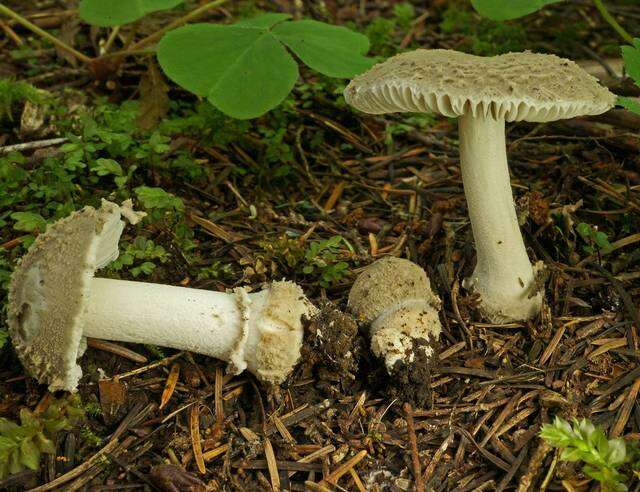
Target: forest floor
<point>313,192</point>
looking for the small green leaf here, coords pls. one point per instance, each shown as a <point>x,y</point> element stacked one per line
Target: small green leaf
<point>243,71</point>
<point>104,167</point>
<point>4,336</point>
<point>6,444</point>
<point>629,103</point>
<point>631,57</point>
<point>499,10</point>
<point>158,198</point>
<point>28,221</point>
<point>29,454</point>
<point>106,13</point>
<point>331,50</point>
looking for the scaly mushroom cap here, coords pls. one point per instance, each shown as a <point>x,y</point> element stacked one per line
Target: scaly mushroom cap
<point>49,288</point>
<point>394,296</point>
<point>386,282</point>
<point>515,87</point>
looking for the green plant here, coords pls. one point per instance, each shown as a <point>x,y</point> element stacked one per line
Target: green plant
<point>596,240</point>
<point>139,257</point>
<point>381,30</point>
<point>21,445</point>
<point>106,13</point>
<point>483,36</point>
<point>244,69</point>
<point>321,258</point>
<point>512,9</point>
<point>603,458</point>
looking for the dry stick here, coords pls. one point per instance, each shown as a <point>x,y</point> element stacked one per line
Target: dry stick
<point>114,348</point>
<point>170,385</point>
<point>415,457</point>
<point>41,32</point>
<point>79,470</point>
<point>176,23</point>
<point>194,427</point>
<point>626,409</point>
<point>32,145</point>
<point>272,465</point>
<point>431,467</point>
<point>335,475</point>
<point>153,365</point>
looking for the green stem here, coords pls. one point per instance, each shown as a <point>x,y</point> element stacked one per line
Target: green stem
<point>612,21</point>
<point>40,32</point>
<point>111,39</point>
<point>176,23</point>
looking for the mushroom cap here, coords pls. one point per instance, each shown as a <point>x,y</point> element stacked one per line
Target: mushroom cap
<point>386,282</point>
<point>514,87</point>
<point>49,288</point>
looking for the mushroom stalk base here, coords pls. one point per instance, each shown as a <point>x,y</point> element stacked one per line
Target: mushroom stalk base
<point>504,276</point>
<point>201,321</point>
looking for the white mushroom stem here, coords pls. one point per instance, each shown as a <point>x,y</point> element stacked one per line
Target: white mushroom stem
<point>259,331</point>
<point>504,276</point>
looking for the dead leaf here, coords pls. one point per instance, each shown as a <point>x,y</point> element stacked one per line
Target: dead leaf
<point>170,385</point>
<point>154,101</point>
<point>113,394</point>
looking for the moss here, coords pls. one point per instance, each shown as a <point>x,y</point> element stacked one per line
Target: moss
<point>13,95</point>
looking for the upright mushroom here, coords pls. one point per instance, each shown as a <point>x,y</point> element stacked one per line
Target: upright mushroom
<point>393,297</point>
<point>54,302</point>
<point>484,93</point>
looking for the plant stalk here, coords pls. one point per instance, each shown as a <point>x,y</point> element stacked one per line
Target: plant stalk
<point>176,23</point>
<point>41,32</point>
<point>612,21</point>
<point>111,39</point>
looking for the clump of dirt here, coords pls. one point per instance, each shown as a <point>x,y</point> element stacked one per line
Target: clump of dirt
<point>412,382</point>
<point>331,344</point>
<point>331,335</point>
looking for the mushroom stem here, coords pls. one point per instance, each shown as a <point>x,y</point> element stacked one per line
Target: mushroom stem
<point>504,276</point>
<point>236,327</point>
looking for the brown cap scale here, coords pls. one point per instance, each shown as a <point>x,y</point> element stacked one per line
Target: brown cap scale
<point>484,93</point>
<point>394,297</point>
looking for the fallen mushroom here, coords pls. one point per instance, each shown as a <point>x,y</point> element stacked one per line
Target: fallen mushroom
<point>394,297</point>
<point>484,93</point>
<point>55,302</point>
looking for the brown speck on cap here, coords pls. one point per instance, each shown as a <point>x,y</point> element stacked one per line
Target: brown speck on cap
<point>49,288</point>
<point>514,87</point>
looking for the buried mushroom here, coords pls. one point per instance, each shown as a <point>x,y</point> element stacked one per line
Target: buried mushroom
<point>55,302</point>
<point>484,93</point>
<point>394,297</point>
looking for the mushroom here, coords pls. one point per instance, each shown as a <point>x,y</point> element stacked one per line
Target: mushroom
<point>394,297</point>
<point>55,302</point>
<point>484,92</point>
